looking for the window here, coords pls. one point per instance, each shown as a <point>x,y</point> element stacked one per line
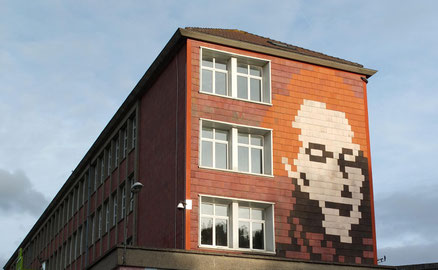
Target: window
<point>84,193</point>
<point>107,216</point>
<point>123,191</point>
<point>72,196</point>
<point>214,148</point>
<point>125,142</point>
<point>109,159</point>
<point>250,153</point>
<point>251,228</point>
<point>117,146</point>
<point>134,132</point>
<point>95,183</point>
<point>235,76</point>
<point>92,229</point>
<point>114,198</point>
<point>249,81</point>
<point>102,168</point>
<point>214,75</point>
<point>99,223</point>
<point>77,196</point>
<point>214,224</point>
<point>236,224</point>
<point>236,148</point>
<point>80,241</point>
<point>131,195</point>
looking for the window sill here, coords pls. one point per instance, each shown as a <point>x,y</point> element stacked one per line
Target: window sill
<point>252,251</point>
<point>232,171</point>
<point>235,98</point>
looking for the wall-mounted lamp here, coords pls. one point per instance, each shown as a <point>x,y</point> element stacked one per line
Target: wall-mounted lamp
<point>136,187</point>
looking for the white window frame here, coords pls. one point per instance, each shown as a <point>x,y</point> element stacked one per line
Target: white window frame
<point>250,220</point>
<point>215,141</point>
<point>134,132</point>
<point>99,223</point>
<point>123,195</point>
<point>233,222</point>
<point>107,216</point>
<point>117,146</point>
<point>215,70</point>
<point>131,195</point>
<point>114,198</point>
<point>251,146</point>
<point>110,154</point>
<point>96,174</point>
<point>92,229</point>
<point>102,169</point>
<point>264,64</point>
<point>214,217</point>
<point>125,141</point>
<point>232,153</point>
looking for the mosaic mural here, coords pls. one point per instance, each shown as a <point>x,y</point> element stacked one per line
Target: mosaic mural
<point>330,175</point>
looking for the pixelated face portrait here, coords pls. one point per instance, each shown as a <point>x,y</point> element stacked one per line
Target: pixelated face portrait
<point>328,167</point>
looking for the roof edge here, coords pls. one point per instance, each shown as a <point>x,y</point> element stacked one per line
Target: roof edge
<point>276,52</point>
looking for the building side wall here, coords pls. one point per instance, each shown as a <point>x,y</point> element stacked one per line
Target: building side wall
<point>162,158</point>
<point>304,97</point>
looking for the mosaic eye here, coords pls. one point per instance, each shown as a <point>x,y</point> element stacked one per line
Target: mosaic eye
<point>318,153</point>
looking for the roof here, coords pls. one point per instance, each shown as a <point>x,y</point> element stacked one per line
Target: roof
<point>244,40</point>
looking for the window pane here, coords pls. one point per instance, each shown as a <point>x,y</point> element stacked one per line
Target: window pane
<point>256,71</point>
<point>243,212</point>
<point>207,209</point>
<point>243,159</point>
<point>221,64</point>
<point>257,236</point>
<point>207,154</point>
<point>256,140</point>
<point>243,138</point>
<point>242,87</point>
<point>221,83</point>
<point>207,133</point>
<point>207,62</point>
<point>221,135</point>
<point>241,68</point>
<point>255,90</point>
<point>207,231</point>
<point>221,210</point>
<point>221,232</point>
<point>221,156</point>
<point>256,160</point>
<point>244,234</point>
<point>207,80</point>
<point>257,214</point>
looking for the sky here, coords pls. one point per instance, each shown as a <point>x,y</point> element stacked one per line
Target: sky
<point>66,67</point>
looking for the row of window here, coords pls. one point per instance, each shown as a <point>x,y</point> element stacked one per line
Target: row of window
<point>225,222</point>
<point>116,150</point>
<point>236,224</point>
<point>235,76</point>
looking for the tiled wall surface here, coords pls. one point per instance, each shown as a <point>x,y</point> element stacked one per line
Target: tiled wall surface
<point>320,159</point>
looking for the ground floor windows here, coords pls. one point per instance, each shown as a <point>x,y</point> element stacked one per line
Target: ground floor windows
<point>236,224</point>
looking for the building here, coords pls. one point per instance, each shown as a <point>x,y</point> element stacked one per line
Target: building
<point>251,152</point>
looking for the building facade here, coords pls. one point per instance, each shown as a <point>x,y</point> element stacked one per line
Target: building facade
<point>264,146</point>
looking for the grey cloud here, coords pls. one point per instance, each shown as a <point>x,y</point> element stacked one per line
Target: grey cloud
<point>406,224</point>
<point>18,195</point>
